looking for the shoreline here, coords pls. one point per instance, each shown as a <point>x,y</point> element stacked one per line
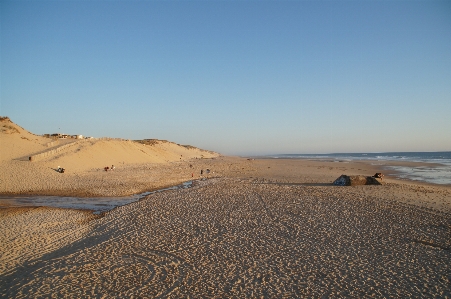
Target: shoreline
<point>129,180</point>
<point>383,166</point>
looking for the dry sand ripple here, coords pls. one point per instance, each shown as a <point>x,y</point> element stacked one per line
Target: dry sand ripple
<point>253,239</point>
<point>30,233</point>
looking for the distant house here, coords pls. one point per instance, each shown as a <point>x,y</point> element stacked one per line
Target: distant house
<point>64,136</point>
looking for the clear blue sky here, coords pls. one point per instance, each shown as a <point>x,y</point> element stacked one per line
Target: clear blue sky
<point>237,77</point>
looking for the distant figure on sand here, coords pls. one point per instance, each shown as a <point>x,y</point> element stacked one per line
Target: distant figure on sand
<point>201,172</point>
<point>112,167</point>
<point>106,168</point>
<point>60,169</point>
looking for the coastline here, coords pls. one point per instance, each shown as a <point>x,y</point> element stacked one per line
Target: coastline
<point>430,167</point>
<point>253,227</point>
<point>135,179</point>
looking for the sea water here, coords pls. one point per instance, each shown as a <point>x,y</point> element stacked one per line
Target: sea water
<point>439,172</point>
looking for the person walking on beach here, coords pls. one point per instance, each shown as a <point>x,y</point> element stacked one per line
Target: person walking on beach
<point>201,172</point>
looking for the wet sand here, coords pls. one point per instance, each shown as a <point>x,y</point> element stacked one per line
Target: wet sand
<point>254,229</point>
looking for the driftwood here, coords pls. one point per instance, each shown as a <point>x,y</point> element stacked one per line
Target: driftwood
<point>346,180</point>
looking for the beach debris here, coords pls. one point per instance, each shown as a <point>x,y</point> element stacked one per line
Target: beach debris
<point>346,180</point>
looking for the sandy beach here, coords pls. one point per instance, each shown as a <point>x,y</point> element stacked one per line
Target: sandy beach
<point>251,228</point>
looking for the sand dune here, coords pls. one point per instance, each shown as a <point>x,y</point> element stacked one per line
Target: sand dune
<point>84,161</point>
<point>17,143</point>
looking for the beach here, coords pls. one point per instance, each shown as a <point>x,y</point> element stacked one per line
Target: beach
<point>255,228</point>
<point>225,149</point>
<point>250,228</point>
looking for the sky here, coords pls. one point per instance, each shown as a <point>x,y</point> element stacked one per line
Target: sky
<point>236,77</point>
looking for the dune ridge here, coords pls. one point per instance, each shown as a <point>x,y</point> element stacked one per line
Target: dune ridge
<point>84,160</point>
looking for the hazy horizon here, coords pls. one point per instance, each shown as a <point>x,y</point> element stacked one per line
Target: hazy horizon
<point>235,77</point>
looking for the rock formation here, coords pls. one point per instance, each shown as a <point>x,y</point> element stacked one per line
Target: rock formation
<point>346,180</point>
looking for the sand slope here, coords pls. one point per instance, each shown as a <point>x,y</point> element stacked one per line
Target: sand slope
<point>80,158</point>
<point>16,142</point>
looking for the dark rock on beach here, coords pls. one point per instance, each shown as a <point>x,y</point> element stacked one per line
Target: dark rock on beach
<point>346,180</point>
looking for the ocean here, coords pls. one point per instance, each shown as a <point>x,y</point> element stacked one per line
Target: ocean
<point>436,174</point>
